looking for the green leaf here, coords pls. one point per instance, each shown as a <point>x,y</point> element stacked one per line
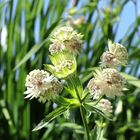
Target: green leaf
<point>2,4</point>
<point>94,109</point>
<point>51,116</point>
<point>67,102</point>
<point>75,83</point>
<point>7,116</point>
<point>75,127</point>
<point>51,69</point>
<point>131,80</point>
<point>88,73</point>
<point>78,85</point>
<point>100,130</point>
<point>71,88</point>
<point>34,49</point>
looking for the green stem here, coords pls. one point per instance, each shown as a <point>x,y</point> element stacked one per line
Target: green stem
<point>75,82</point>
<point>99,134</point>
<point>85,123</point>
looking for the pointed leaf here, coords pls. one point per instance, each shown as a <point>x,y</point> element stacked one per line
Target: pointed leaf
<point>51,116</point>
<point>131,79</point>
<point>34,49</point>
<point>93,109</point>
<point>67,102</point>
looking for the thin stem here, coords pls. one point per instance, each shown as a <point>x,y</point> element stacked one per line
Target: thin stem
<point>85,123</point>
<point>99,134</point>
<point>76,84</point>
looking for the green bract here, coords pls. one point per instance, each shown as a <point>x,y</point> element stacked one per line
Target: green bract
<point>64,64</point>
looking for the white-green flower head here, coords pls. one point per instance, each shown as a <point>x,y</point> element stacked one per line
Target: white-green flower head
<point>56,47</point>
<point>41,85</point>
<point>105,105</point>
<point>116,56</point>
<point>68,39</point>
<point>107,82</point>
<point>64,64</point>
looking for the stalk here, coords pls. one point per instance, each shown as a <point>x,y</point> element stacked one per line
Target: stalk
<point>75,82</point>
<point>85,123</point>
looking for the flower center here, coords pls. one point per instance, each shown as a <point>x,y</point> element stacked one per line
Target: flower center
<point>39,83</point>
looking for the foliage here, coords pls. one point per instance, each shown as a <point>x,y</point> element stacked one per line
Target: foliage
<point>24,52</point>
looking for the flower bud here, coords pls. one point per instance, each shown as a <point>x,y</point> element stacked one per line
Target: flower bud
<point>40,84</point>
<point>105,105</point>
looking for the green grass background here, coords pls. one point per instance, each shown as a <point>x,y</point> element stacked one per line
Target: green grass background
<point>30,51</point>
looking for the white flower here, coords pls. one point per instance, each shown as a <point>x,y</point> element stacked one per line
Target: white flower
<point>68,38</point>
<point>107,82</point>
<point>65,64</point>
<point>56,47</point>
<point>73,45</point>
<point>108,59</point>
<point>105,105</point>
<point>94,87</point>
<point>40,84</point>
<point>64,33</point>
<point>116,56</point>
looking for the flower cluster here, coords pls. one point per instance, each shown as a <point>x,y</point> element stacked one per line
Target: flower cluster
<point>65,45</point>
<point>66,42</point>
<point>107,80</point>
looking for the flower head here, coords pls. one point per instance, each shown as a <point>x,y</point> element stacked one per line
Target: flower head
<point>40,84</point>
<point>56,47</point>
<point>116,56</point>
<point>67,39</point>
<point>64,64</point>
<point>105,105</point>
<point>107,82</point>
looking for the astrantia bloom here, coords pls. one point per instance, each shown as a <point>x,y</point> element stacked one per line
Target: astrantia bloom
<point>68,38</point>
<point>108,82</point>
<point>116,56</point>
<point>105,105</point>
<point>40,84</point>
<point>56,47</point>
<point>64,64</point>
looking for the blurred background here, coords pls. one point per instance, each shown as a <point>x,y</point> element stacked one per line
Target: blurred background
<point>25,26</point>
